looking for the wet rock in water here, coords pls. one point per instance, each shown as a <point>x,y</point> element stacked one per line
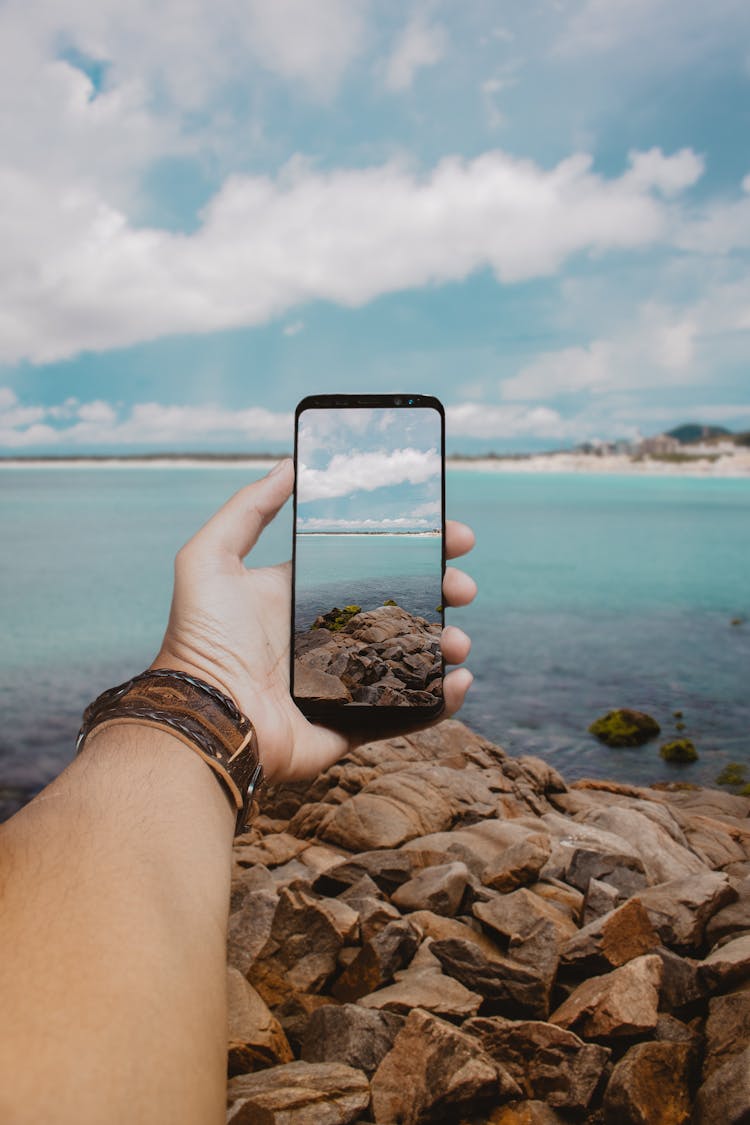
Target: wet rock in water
<point>350,1034</point>
<point>438,889</point>
<point>625,727</point>
<point>435,1072</point>
<point>621,1003</point>
<point>302,1092</point>
<point>379,958</point>
<point>650,1086</point>
<point>546,1061</point>
<point>612,940</point>
<point>680,751</point>
<point>725,1096</point>
<point>256,1039</point>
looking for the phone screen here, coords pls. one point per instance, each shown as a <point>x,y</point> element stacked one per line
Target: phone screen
<point>368,556</point>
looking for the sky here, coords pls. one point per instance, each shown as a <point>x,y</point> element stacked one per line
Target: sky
<point>538,212</point>
<point>369,470</point>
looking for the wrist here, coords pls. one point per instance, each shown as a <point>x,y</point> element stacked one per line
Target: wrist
<point>193,711</point>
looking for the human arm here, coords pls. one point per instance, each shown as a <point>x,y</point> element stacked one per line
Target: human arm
<point>115,879</point>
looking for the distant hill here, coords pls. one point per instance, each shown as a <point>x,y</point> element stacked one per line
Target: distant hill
<point>692,432</point>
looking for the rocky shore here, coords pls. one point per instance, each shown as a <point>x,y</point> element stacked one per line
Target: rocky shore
<point>385,656</point>
<point>433,931</point>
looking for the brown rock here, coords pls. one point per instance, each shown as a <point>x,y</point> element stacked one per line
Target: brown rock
<point>300,954</point>
<point>727,966</point>
<point>727,1029</point>
<point>524,1113</point>
<point>256,1039</point>
<point>369,819</point>
<point>478,846</point>
<point>435,1072</point>
<point>514,988</point>
<point>424,986</point>
<point>270,851</point>
<point>566,899</point>
<point>312,684</point>
<point>519,865</point>
<point>380,957</point>
<point>350,1034</point>
<point>725,1096</point>
<point>662,856</point>
<point>302,1092</point>
<point>731,920</point>
<point>436,926</point>
<point>681,986</point>
<point>623,873</point>
<point>439,889</point>
<point>295,1012</point>
<point>600,899</point>
<point>650,1086</point>
<point>610,941</point>
<point>681,908</point>
<point>374,915</point>
<point>249,928</point>
<point>717,842</point>
<point>388,868</point>
<point>621,1003</point>
<point>547,1062</point>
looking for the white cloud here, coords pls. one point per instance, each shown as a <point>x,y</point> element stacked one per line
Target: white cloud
<point>100,424</point>
<point>485,420</point>
<point>76,275</point>
<point>657,349</point>
<point>420,44</point>
<point>353,472</point>
<point>401,523</point>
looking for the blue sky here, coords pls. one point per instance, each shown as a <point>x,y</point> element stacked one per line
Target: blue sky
<point>539,212</point>
<point>369,471</point>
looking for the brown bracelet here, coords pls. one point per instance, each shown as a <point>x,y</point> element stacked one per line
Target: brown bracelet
<point>201,716</point>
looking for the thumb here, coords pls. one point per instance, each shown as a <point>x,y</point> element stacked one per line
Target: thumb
<point>236,527</point>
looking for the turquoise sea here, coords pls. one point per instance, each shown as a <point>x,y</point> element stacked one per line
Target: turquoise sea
<point>595,592</point>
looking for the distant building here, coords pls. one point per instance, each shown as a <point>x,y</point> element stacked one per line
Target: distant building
<point>658,445</point>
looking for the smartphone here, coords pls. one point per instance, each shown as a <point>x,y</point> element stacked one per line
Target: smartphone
<point>368,559</point>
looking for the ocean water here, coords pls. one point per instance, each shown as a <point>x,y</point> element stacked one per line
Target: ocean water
<point>367,570</point>
<point>595,592</point>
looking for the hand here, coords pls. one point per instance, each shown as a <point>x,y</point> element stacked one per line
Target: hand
<point>230,625</point>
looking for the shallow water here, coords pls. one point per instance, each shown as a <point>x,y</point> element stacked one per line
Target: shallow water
<point>595,592</point>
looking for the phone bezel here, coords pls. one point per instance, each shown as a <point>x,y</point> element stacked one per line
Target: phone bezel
<point>353,715</point>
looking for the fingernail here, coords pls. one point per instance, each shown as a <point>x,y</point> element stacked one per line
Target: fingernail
<point>279,466</point>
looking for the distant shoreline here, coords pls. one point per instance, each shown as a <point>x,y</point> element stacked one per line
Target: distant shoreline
<point>724,466</point>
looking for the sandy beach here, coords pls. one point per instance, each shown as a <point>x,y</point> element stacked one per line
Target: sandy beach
<point>725,464</point>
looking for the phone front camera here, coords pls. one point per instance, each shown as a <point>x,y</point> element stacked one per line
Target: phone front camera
<point>397,401</point>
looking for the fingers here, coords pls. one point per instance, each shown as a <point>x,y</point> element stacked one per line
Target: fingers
<point>454,644</point>
<point>459,539</point>
<point>458,588</point>
<point>236,527</point>
<point>455,686</point>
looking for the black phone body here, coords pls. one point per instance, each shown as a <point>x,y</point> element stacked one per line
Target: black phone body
<point>368,559</point>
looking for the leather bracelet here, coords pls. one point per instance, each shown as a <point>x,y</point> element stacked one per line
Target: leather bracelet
<point>201,716</point>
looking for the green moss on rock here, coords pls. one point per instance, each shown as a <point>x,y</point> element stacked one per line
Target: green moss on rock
<point>390,601</point>
<point>625,727</point>
<point>336,619</point>
<point>680,750</point>
<point>734,773</point>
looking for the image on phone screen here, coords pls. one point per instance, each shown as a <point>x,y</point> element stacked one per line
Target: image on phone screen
<point>368,558</point>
